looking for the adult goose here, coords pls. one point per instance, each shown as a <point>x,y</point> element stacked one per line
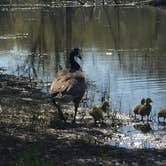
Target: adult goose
<point>69,85</point>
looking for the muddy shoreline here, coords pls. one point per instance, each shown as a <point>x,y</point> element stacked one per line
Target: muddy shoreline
<point>28,138</point>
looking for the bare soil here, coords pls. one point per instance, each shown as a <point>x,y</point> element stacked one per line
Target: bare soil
<point>28,136</point>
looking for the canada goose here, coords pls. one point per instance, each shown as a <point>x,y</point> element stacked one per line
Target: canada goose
<point>137,107</point>
<point>97,111</point>
<point>69,85</point>
<point>145,110</point>
<point>161,113</point>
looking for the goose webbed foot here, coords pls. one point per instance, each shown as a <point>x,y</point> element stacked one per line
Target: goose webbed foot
<point>73,121</point>
<point>62,118</point>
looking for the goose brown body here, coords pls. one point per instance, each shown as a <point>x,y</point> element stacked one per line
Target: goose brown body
<point>69,85</point>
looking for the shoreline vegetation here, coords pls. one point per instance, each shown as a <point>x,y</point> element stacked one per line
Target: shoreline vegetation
<point>28,136</point>
<point>71,3</point>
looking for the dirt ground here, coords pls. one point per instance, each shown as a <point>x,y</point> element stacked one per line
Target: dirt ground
<point>54,148</point>
<point>29,138</point>
<point>36,143</point>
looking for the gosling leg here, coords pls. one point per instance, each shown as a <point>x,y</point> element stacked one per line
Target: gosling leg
<point>148,118</point>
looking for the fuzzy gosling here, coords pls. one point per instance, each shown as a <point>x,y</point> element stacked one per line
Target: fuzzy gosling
<point>97,111</point>
<point>136,108</point>
<point>146,109</point>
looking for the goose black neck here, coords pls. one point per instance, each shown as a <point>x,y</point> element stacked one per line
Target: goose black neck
<point>73,64</point>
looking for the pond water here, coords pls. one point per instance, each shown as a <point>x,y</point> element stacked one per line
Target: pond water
<point>124,49</point>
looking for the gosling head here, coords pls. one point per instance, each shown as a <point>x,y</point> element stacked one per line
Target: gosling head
<point>148,100</point>
<point>143,101</point>
<point>105,105</point>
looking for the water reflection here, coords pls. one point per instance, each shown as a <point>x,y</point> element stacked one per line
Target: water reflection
<point>124,49</point>
<point>140,135</point>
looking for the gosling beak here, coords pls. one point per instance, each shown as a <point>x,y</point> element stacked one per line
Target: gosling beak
<point>150,101</point>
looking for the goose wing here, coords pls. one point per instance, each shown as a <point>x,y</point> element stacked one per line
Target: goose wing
<point>68,86</point>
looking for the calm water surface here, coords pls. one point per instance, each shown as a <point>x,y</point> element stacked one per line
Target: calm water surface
<point>124,50</point>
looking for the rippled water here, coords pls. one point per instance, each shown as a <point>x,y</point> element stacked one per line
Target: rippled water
<point>123,49</point>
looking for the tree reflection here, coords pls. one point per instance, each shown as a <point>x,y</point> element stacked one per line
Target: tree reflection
<point>68,32</point>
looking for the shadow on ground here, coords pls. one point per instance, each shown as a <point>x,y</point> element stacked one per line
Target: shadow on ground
<point>50,150</point>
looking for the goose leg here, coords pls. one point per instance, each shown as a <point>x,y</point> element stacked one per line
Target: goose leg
<point>95,122</point>
<point>61,116</point>
<point>75,112</point>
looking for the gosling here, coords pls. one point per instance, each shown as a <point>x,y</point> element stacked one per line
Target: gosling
<point>97,111</point>
<point>161,114</point>
<point>146,109</point>
<point>136,108</point>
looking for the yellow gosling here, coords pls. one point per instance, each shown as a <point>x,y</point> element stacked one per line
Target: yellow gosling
<point>146,109</point>
<point>136,108</point>
<point>97,111</point>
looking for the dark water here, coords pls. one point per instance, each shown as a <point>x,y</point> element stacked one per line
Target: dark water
<point>124,51</point>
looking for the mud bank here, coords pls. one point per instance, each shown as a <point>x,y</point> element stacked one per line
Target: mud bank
<point>30,134</point>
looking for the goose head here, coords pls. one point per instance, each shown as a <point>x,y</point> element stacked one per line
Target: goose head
<point>76,52</point>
